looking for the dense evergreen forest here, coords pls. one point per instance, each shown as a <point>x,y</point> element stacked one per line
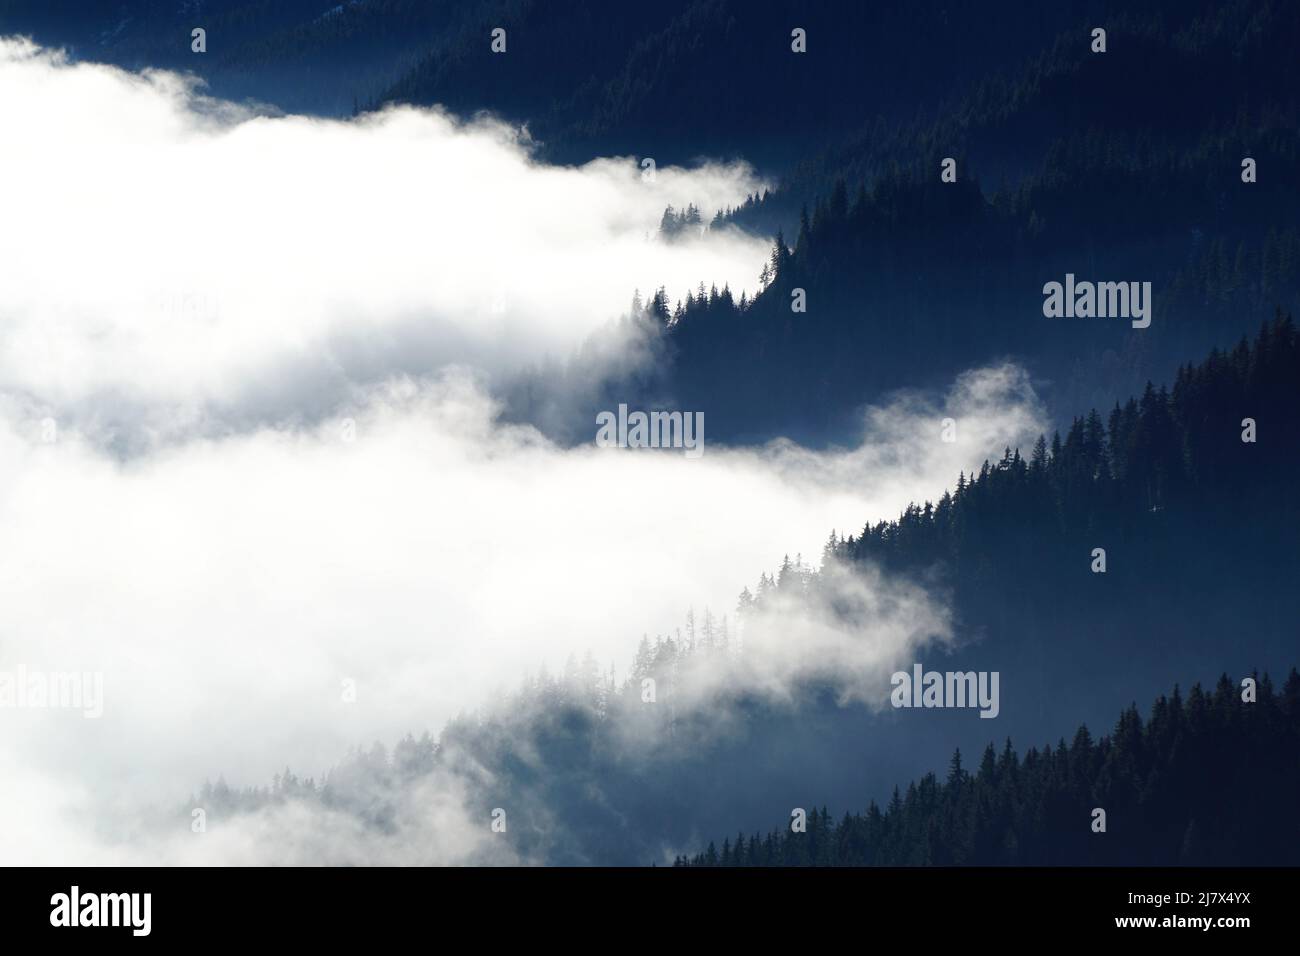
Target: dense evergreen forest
<point>1127,164</point>
<point>1208,780</point>
<point>1149,462</point>
<point>915,281</point>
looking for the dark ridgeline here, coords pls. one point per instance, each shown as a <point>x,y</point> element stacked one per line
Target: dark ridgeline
<point>1210,780</point>
<point>1167,477</point>
<point>674,79</point>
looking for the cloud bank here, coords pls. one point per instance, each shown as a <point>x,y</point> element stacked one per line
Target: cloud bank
<point>166,252</point>
<point>419,549</point>
<point>250,459</point>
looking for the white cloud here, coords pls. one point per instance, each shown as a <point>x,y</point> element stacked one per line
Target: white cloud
<point>165,248</point>
<point>227,580</point>
<point>227,587</point>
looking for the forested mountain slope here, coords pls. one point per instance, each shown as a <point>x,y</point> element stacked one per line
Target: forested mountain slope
<point>1206,780</point>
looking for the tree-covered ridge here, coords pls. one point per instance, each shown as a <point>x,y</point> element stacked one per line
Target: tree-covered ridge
<point>1207,780</point>
<point>630,82</point>
<point>1122,165</point>
<point>1176,80</point>
<point>1158,462</point>
<point>908,280</point>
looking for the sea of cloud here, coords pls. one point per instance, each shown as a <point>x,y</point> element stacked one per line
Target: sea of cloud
<point>250,456</point>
